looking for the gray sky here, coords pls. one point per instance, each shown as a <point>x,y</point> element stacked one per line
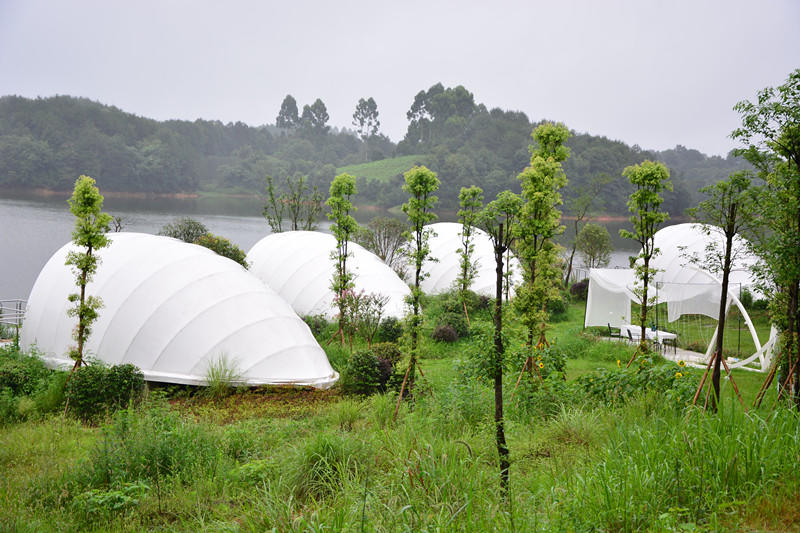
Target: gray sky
<point>654,73</point>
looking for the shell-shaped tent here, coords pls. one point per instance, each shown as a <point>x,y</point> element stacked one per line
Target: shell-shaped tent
<point>173,309</point>
<point>298,266</point>
<point>680,242</point>
<point>445,246</point>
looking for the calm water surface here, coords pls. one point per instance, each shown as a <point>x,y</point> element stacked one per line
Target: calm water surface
<point>32,229</point>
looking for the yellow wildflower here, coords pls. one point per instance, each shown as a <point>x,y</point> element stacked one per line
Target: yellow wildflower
<point>678,375</point>
<point>541,365</point>
<point>681,363</point>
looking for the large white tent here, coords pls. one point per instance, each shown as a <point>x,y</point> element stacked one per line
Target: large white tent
<point>173,309</point>
<point>445,245</point>
<point>299,267</point>
<point>682,280</point>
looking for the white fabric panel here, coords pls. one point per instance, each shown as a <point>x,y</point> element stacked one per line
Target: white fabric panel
<point>173,308</point>
<point>445,244</point>
<point>299,267</point>
<point>609,297</point>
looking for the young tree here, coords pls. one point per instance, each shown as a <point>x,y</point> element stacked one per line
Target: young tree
<point>287,116</point>
<point>581,207</point>
<point>496,218</point>
<point>343,228</point>
<point>365,119</point>
<point>594,243</point>
<point>729,210</point>
<point>471,201</point>
<point>421,184</point>
<point>649,179</point>
<point>186,229</point>
<point>302,204</point>
<point>539,223</point>
<point>385,237</point>
<point>91,225</point>
<point>770,133</point>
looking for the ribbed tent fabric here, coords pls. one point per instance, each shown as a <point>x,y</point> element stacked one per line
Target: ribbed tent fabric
<point>445,245</point>
<point>299,267</point>
<point>173,309</point>
<point>688,287</point>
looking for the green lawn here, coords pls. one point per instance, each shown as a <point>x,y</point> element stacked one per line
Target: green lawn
<point>303,460</point>
<point>385,169</point>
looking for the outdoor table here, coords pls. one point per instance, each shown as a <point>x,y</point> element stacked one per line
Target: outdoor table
<point>656,335</point>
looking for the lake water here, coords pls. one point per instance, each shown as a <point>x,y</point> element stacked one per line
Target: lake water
<point>33,228</point>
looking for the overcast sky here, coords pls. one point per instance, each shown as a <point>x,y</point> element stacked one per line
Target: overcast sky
<point>655,73</point>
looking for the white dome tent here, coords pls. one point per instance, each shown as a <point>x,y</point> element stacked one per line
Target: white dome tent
<point>173,309</point>
<point>445,246</point>
<point>686,286</point>
<point>299,267</point>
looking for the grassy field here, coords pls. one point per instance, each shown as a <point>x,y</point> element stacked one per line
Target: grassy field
<point>385,169</point>
<point>304,460</point>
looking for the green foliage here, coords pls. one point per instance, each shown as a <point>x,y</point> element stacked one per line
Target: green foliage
<point>385,170</point>
<point>365,118</point>
<point>390,330</point>
<point>649,179</point>
<point>420,184</point>
<point>288,117</point>
<point>151,444</point>
<point>386,238</point>
<point>594,243</point>
<point>300,201</point>
<point>368,372</point>
<point>470,200</point>
<point>21,374</point>
<point>456,321</point>
<point>647,374</point>
<point>444,333</point>
<point>186,229</point>
<point>89,235</point>
<point>539,223</point>
<point>343,227</point>
<point>318,324</point>
<point>222,246</point>
<point>98,504</point>
<point>94,389</point>
<point>323,464</point>
<point>222,375</point>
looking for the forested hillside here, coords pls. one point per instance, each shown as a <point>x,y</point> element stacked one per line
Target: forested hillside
<point>48,142</point>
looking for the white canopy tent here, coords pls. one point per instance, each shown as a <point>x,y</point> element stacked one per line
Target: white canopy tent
<point>445,245</point>
<point>173,309</point>
<point>299,267</point>
<point>687,287</point>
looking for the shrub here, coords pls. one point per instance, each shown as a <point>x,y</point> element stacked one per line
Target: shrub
<point>124,383</point>
<point>9,412</point>
<point>51,398</point>
<point>20,373</point>
<point>86,391</point>
<point>387,351</point>
<point>444,333</point>
<point>95,389</point>
<point>580,290</point>
<point>746,297</point>
<point>363,374</point>
<point>316,323</point>
<point>457,321</point>
<point>390,330</point>
<point>223,247</point>
<point>557,309</point>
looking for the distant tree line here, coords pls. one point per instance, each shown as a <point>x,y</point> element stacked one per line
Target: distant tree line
<point>46,142</point>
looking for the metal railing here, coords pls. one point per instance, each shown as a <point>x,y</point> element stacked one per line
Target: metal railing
<point>12,313</point>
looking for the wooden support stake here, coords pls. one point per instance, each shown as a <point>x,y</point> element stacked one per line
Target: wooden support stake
<point>402,388</point>
<point>702,381</point>
<point>785,383</point>
<point>520,376</point>
<point>735,388</point>
<point>765,386</point>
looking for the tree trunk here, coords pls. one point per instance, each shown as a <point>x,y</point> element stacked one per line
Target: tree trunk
<point>643,315</point>
<point>723,307</point>
<point>500,435</point>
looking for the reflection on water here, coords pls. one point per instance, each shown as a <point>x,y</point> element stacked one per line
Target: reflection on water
<point>33,228</point>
